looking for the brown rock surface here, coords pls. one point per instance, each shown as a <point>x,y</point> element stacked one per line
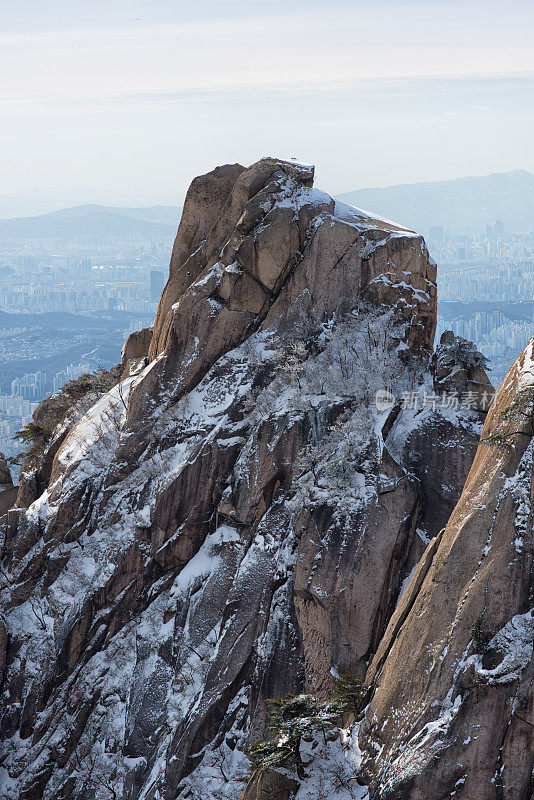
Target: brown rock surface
<point>236,519</point>
<point>8,492</point>
<point>269,785</point>
<point>5,473</point>
<point>205,199</point>
<point>451,713</point>
<point>135,350</point>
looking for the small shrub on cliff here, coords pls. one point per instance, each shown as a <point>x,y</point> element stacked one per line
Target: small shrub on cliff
<point>55,409</point>
<point>299,713</point>
<point>349,690</point>
<point>99,381</point>
<point>520,412</point>
<point>291,720</point>
<point>458,353</point>
<point>31,435</point>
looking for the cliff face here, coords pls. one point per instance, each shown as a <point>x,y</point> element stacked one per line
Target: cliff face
<point>236,518</point>
<point>452,713</point>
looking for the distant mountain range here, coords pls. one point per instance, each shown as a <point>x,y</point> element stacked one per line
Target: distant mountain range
<point>93,220</point>
<point>63,320</point>
<point>455,204</point>
<point>458,205</point>
<point>162,215</point>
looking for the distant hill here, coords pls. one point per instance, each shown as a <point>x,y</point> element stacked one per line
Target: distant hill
<point>63,320</point>
<point>93,220</point>
<point>455,204</point>
<point>521,310</point>
<point>162,215</point>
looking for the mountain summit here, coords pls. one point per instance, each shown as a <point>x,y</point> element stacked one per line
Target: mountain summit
<point>216,545</point>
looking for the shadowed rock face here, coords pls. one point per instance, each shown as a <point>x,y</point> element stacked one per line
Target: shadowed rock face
<point>235,518</point>
<point>269,785</point>
<point>5,473</point>
<point>204,202</point>
<point>8,492</point>
<point>452,711</point>
<point>135,351</point>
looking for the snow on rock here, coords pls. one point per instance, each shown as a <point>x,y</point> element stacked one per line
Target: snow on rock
<point>233,521</point>
<point>514,644</point>
<point>333,768</point>
<point>361,218</point>
<point>453,682</point>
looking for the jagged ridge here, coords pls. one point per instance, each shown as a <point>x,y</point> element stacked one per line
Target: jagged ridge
<point>226,524</point>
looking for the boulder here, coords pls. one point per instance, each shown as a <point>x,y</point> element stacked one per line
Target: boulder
<point>459,371</point>
<point>8,492</point>
<point>6,480</point>
<point>135,351</point>
<point>269,785</point>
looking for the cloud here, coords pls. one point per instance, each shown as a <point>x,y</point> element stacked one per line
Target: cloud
<point>403,88</point>
<point>264,50</point>
<point>89,95</point>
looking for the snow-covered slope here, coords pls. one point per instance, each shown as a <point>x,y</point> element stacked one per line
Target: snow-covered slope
<point>235,519</point>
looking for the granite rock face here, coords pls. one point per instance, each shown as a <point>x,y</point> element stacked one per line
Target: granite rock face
<point>8,492</point>
<point>5,473</point>
<point>452,711</point>
<point>135,351</point>
<point>237,517</point>
<point>269,785</point>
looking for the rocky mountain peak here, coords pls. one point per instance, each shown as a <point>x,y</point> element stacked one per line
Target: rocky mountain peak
<point>262,230</point>
<point>229,516</point>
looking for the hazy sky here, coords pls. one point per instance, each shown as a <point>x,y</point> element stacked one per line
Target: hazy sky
<point>126,100</point>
